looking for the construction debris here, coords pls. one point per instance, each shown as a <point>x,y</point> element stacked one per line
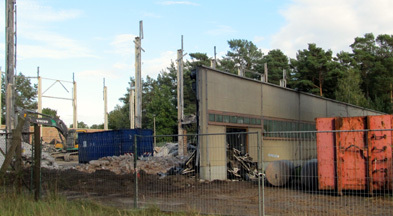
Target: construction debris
<point>164,159</point>
<point>241,166</point>
<point>124,164</point>
<point>47,161</point>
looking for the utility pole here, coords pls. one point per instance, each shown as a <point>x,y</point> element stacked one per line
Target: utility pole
<point>39,91</point>
<point>138,78</point>
<point>39,96</point>
<point>105,108</point>
<point>10,54</point>
<point>75,120</point>
<point>180,101</point>
<point>132,106</point>
<point>213,62</point>
<point>265,75</point>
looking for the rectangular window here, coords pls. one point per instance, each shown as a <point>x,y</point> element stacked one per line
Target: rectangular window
<point>225,119</point>
<point>211,117</point>
<point>233,119</point>
<point>246,120</point>
<point>218,118</point>
<point>240,120</point>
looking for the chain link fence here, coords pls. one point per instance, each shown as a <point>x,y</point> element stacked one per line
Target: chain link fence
<point>328,172</point>
<point>304,173</point>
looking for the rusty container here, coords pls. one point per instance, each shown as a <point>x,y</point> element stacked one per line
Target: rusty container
<point>357,155</point>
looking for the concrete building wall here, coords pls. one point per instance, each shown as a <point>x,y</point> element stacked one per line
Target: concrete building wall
<point>229,101</point>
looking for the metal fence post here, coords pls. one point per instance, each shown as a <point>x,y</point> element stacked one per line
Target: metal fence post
<point>37,162</point>
<point>261,196</point>
<point>135,171</point>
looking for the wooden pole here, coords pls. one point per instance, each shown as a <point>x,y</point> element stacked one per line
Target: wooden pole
<point>10,64</point>
<point>105,108</point>
<point>16,140</point>
<point>138,84</point>
<point>37,162</point>
<point>75,120</point>
<point>154,131</point>
<point>132,107</point>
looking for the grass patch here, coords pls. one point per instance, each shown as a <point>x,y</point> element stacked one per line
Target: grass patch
<point>12,204</point>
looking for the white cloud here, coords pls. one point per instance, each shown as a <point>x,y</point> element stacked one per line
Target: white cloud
<point>33,11</point>
<point>178,3</point>
<point>331,24</point>
<point>123,44</point>
<point>51,45</point>
<point>152,67</point>
<point>258,39</point>
<point>109,73</point>
<point>221,30</point>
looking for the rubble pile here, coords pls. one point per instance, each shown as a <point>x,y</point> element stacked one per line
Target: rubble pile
<point>241,166</point>
<point>47,161</point>
<point>163,160</point>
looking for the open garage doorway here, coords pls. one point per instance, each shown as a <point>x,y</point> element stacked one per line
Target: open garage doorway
<point>237,140</point>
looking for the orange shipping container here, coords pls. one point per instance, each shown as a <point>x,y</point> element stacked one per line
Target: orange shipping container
<point>357,155</point>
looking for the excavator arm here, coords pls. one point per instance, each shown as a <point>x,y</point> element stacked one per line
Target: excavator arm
<point>45,120</point>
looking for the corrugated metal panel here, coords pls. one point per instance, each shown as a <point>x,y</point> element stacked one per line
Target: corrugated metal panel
<point>350,154</point>
<point>114,143</point>
<point>359,160</point>
<point>325,153</point>
<point>380,151</point>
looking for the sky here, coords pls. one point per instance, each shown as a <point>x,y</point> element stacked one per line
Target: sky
<point>92,40</point>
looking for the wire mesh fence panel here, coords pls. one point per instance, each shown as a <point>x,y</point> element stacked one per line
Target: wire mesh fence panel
<point>328,172</point>
<point>225,182</point>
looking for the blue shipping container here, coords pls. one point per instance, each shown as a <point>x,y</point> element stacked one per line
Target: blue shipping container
<point>93,146</point>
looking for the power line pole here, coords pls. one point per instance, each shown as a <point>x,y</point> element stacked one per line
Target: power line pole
<point>180,101</point>
<point>105,107</point>
<point>10,64</point>
<point>132,106</point>
<point>138,78</point>
<point>74,103</point>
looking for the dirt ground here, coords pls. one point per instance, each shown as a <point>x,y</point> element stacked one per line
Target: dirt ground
<point>182,193</point>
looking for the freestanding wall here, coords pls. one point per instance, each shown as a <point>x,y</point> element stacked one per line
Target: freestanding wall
<point>230,101</point>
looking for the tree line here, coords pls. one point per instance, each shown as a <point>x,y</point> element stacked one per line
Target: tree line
<point>361,77</point>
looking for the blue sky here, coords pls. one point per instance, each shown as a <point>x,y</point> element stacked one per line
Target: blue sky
<point>94,38</point>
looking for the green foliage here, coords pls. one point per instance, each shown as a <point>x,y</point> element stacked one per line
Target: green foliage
<point>50,112</point>
<point>24,204</point>
<point>118,118</point>
<point>97,126</point>
<point>363,77</point>
<point>81,124</point>
<point>373,57</point>
<point>277,62</point>
<point>315,71</point>
<point>26,93</point>
<point>243,54</point>
<point>348,89</point>
<point>25,97</point>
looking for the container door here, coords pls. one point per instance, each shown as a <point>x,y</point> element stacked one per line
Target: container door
<point>380,151</point>
<point>325,153</point>
<point>351,154</point>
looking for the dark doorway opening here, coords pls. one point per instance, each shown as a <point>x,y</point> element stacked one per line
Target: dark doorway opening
<point>238,140</point>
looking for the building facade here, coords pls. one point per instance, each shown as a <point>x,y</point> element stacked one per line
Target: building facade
<point>230,103</point>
